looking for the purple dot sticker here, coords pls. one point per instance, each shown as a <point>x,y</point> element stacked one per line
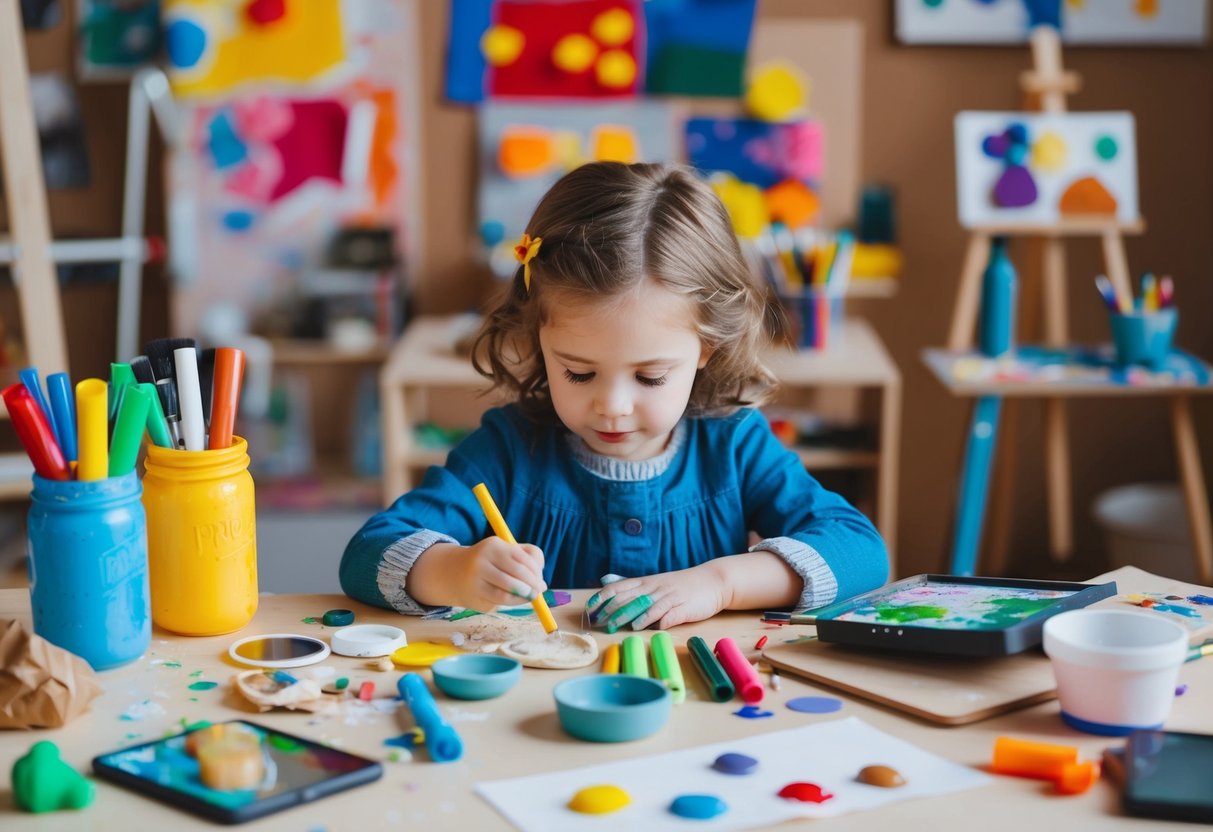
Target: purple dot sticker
<point>734,763</point>
<point>815,704</point>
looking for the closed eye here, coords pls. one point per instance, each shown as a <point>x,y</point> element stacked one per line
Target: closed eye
<point>578,378</point>
<point>651,382</point>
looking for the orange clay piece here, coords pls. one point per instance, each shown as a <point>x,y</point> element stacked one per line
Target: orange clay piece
<point>201,737</point>
<point>1076,778</point>
<point>1032,759</point>
<point>233,761</point>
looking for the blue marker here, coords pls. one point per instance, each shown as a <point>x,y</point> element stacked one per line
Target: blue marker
<point>63,409</point>
<point>441,740</point>
<point>29,377</point>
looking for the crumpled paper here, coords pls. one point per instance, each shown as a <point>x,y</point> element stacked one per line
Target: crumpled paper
<point>41,685</point>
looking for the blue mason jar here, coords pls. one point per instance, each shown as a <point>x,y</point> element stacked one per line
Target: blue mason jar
<point>88,568</point>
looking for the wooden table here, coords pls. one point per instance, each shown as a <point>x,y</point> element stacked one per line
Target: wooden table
<point>521,735</point>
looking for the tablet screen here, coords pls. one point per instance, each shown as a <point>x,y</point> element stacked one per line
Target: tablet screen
<point>948,606</point>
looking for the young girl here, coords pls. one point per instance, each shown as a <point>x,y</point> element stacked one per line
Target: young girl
<point>631,337</point>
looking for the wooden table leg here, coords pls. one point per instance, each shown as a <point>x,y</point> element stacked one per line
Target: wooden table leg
<point>1193,479</point>
<point>968,296</point>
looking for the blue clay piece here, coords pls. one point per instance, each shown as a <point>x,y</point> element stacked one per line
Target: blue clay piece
<point>698,806</point>
<point>752,712</point>
<point>733,763</point>
<point>815,704</point>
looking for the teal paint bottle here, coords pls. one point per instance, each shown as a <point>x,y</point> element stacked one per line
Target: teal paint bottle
<point>999,287</point>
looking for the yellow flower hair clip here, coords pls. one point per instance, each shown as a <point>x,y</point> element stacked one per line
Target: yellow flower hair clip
<point>524,253</point>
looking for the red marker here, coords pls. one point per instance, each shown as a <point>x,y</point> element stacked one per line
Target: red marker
<point>761,642</point>
<point>35,433</point>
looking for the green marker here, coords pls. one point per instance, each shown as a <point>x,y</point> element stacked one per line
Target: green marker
<point>157,425</point>
<point>720,686</point>
<point>121,377</point>
<point>635,656</point>
<point>666,666</point>
<point>128,431</point>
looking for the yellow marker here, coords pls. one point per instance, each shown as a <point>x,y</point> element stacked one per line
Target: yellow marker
<point>503,531</point>
<point>610,659</point>
<point>92,420</point>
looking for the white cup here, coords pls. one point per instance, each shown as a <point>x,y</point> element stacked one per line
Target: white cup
<point>1116,669</point>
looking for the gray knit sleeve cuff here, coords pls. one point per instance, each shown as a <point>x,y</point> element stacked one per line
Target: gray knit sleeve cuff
<point>394,568</point>
<point>820,585</point>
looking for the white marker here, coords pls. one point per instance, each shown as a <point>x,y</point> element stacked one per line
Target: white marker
<point>189,399</point>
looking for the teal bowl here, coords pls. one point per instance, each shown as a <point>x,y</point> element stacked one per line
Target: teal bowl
<point>476,676</point>
<point>612,707</point>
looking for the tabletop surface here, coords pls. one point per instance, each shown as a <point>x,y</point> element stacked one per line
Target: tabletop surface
<point>519,734</point>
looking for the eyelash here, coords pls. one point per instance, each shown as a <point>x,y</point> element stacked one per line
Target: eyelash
<point>583,378</point>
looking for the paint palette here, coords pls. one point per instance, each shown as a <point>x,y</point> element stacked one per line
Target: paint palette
<point>961,616</point>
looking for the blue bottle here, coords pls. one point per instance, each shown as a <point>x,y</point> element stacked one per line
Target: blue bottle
<point>88,576</point>
<point>999,287</point>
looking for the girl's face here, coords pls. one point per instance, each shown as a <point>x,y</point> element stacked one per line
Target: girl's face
<point>621,371</point>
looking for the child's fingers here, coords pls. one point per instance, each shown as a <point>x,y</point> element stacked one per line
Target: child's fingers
<point>514,587</point>
<point>492,596</point>
<point>610,598</point>
<point>659,607</point>
<point>628,612</point>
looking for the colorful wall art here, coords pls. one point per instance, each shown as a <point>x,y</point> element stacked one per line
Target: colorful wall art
<point>267,172</point>
<point>116,38</point>
<point>1083,22</point>
<point>1039,168</point>
<point>697,47</point>
<point>780,783</point>
<point>524,149</point>
<point>216,47</point>
<point>534,48</point>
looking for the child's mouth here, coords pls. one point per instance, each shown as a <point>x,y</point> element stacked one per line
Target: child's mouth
<point>611,438</point>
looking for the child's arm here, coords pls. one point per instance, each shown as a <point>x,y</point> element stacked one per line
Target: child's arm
<point>425,526</point>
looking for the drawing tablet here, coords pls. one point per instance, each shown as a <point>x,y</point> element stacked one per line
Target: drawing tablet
<point>953,615</point>
<point>296,770</point>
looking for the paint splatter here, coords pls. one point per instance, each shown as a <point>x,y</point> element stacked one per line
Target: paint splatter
<point>734,763</point>
<point>195,674</point>
<point>412,738</point>
<point>599,800</point>
<point>805,793</point>
<point>142,710</point>
<point>752,712</point>
<point>285,744</point>
<point>1181,690</point>
<point>462,614</point>
<point>1176,609</point>
<point>311,619</point>
<point>814,704</point>
<point>170,663</point>
<point>204,685</point>
<point>1203,600</point>
<point>698,806</point>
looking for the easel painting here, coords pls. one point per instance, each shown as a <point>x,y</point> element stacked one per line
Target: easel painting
<point>1083,22</point>
<point>1042,168</point>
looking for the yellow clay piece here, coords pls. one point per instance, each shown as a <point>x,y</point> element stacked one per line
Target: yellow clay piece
<point>599,800</point>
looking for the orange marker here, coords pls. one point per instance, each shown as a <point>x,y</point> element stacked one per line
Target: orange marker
<point>610,659</point>
<point>225,396</point>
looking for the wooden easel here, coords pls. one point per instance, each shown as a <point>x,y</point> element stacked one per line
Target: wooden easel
<point>34,276</point>
<point>1048,85</point>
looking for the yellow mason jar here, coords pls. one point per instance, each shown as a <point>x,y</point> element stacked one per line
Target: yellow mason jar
<point>201,539</point>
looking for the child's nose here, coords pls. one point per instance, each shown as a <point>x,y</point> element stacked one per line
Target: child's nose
<point>615,401</point>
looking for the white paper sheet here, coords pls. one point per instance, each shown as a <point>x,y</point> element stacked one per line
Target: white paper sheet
<point>829,754</point>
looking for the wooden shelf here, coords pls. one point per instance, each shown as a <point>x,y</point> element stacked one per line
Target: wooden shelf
<point>1072,226</point>
<point>298,351</point>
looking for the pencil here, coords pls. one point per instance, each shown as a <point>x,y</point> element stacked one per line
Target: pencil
<point>1200,651</point>
<point>503,531</point>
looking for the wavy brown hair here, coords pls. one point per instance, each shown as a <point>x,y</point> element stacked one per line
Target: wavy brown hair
<point>606,227</point>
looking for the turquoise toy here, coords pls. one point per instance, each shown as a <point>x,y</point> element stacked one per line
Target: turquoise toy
<point>44,783</point>
<point>612,708</point>
<point>476,676</point>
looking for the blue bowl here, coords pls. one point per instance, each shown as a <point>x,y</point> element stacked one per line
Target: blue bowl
<point>612,707</point>
<point>476,676</point>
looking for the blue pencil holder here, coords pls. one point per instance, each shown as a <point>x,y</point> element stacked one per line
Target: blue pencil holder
<point>88,568</point>
<point>814,318</point>
<point>1143,337</point>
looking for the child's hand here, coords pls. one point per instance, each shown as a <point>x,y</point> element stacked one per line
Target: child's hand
<point>494,573</point>
<point>664,600</point>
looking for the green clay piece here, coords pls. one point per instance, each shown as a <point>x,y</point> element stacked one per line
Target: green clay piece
<point>311,619</point>
<point>204,685</point>
<point>44,783</point>
<point>342,683</point>
<point>338,618</point>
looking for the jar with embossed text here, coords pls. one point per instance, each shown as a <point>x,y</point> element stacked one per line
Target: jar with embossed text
<point>88,576</point>
<point>201,538</point>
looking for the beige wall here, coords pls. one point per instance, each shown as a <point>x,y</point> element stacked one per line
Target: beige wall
<point>910,96</point>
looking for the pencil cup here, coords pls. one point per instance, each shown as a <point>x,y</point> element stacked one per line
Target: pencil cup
<point>88,572</point>
<point>202,539</point>
<point>1143,337</point>
<point>813,318</point>
<point>1115,669</point>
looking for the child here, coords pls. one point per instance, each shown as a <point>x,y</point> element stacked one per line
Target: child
<point>630,337</point>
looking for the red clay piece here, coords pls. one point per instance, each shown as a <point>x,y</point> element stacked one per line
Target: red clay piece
<point>805,793</point>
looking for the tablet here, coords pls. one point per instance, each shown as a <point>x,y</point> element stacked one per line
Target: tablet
<point>949,614</point>
<point>295,770</point>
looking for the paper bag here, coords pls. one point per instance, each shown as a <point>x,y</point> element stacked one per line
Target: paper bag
<point>41,685</point>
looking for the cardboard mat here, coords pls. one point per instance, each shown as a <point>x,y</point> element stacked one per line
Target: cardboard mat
<point>954,690</point>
